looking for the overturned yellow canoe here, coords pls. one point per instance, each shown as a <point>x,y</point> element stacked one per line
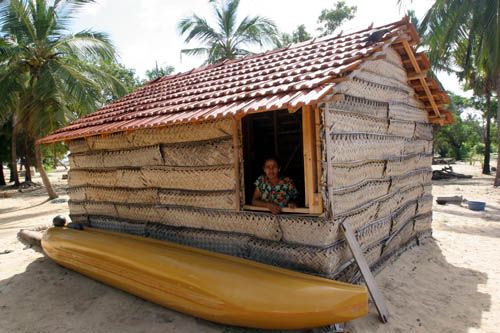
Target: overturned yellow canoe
<point>204,284</point>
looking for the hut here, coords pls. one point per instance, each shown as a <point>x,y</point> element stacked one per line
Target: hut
<point>351,117</point>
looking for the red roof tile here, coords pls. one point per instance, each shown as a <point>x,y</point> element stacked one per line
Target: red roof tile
<point>290,77</point>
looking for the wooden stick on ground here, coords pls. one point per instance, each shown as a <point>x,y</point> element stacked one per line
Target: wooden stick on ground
<point>31,237</point>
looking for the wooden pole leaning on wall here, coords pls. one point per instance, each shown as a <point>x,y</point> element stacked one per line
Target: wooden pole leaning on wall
<point>357,253</point>
<point>236,163</point>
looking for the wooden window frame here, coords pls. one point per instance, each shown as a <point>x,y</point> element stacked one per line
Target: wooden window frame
<point>311,124</point>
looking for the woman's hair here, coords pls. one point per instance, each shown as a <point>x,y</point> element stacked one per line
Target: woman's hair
<point>271,158</point>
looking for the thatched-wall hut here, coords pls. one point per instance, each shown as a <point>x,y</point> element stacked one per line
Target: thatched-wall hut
<point>350,116</point>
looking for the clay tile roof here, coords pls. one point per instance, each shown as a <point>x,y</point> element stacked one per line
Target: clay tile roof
<point>290,77</point>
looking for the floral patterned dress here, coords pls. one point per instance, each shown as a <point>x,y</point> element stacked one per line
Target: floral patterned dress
<point>280,194</point>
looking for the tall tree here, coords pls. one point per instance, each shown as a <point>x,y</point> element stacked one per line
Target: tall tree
<point>331,19</point>
<point>159,71</point>
<point>298,35</point>
<point>473,26</point>
<point>230,38</point>
<point>47,71</point>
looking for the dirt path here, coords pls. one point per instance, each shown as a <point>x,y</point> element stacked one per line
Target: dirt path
<point>449,284</point>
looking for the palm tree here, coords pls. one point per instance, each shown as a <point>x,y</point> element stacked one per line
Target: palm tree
<point>470,29</point>
<point>48,73</point>
<point>229,38</point>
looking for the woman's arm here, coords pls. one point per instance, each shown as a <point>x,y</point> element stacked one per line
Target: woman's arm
<point>256,201</point>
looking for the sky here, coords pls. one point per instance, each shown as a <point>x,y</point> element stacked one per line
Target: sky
<point>145,32</point>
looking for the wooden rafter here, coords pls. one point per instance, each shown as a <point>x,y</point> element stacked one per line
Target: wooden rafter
<point>423,82</point>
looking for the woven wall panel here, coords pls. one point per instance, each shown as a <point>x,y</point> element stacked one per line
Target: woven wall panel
<point>424,205</point>
<point>77,193</point>
<point>411,194</point>
<point>202,179</point>
<point>147,137</point>
<point>78,146</point>
<point>227,243</point>
<point>317,260</point>
<point>358,105</point>
<point>374,232</point>
<point>258,225</point>
<point>189,132</point>
<point>405,111</point>
<point>76,208</point>
<point>403,214</point>
<point>360,146</point>
<point>401,128</point>
<point>122,195</point>
<point>412,178</point>
<point>204,199</point>
<point>422,223</point>
<point>360,217</point>
<point>202,153</point>
<point>380,92</point>
<point>111,224</point>
<point>348,199</point>
<point>348,174</point>
<point>346,122</point>
<point>423,131</point>
<point>146,213</point>
<point>399,237</point>
<point>407,163</point>
<point>308,230</point>
<point>263,226</point>
<point>417,147</point>
<point>136,157</point>
<point>390,67</point>
<point>387,82</point>
<point>388,204</point>
<point>209,178</point>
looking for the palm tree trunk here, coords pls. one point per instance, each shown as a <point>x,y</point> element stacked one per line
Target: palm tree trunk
<point>45,179</point>
<point>497,175</point>
<point>27,161</point>
<point>2,177</point>
<point>487,141</point>
<point>54,153</point>
<point>14,174</point>
<point>11,176</point>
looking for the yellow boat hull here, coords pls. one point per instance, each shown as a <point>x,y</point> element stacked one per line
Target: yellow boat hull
<point>205,284</point>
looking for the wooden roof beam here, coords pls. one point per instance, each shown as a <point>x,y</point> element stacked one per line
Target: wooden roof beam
<point>416,67</point>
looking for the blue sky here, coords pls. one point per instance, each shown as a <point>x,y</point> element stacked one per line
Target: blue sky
<point>144,32</point>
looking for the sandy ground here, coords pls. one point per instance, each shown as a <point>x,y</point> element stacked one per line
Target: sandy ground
<point>449,284</point>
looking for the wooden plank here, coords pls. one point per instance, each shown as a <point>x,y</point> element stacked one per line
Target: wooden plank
<point>375,294</point>
<point>317,122</point>
<point>308,155</point>
<point>236,166</point>
<point>300,210</point>
<point>416,66</point>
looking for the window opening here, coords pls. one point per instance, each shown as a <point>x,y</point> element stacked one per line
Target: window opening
<point>278,134</point>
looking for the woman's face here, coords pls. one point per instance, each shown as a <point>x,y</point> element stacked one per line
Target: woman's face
<point>271,169</point>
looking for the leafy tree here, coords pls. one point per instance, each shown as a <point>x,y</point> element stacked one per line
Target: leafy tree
<point>157,72</point>
<point>460,139</point>
<point>331,19</point>
<point>126,76</point>
<point>229,38</point>
<point>47,72</point>
<point>470,30</point>
<point>299,35</point>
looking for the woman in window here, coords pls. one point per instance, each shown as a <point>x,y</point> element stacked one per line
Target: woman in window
<point>272,191</point>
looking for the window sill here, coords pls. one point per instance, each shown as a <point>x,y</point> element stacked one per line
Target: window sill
<point>286,210</point>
